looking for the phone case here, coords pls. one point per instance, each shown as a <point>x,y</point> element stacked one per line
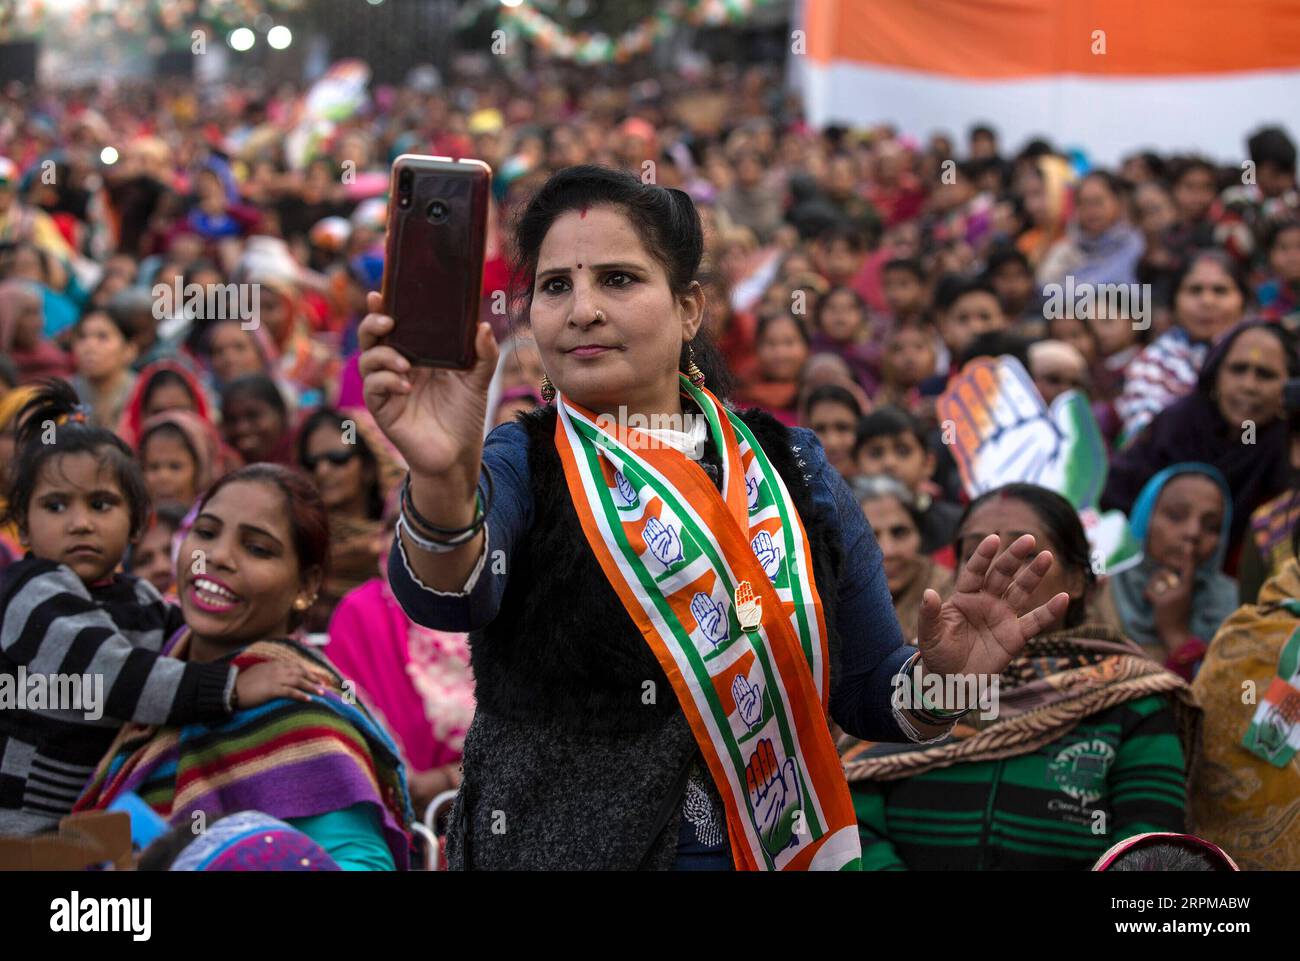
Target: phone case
<point>434,255</point>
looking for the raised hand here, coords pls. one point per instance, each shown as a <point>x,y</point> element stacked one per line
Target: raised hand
<point>625,489</point>
<point>711,616</point>
<point>748,698</point>
<point>1004,432</point>
<point>663,541</point>
<point>774,791</point>
<point>749,607</point>
<point>768,554</point>
<point>984,624</point>
<point>434,417</point>
<point>751,491</point>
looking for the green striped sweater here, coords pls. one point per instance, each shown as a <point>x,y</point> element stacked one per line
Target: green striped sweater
<point>1118,773</point>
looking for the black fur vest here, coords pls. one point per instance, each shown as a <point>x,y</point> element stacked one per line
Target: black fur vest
<point>578,741</point>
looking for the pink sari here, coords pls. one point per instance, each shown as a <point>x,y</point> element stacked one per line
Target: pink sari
<point>417,681</point>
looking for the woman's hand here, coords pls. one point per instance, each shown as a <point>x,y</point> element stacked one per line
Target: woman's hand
<point>1169,593</point>
<point>268,680</point>
<point>434,417</point>
<point>983,625</point>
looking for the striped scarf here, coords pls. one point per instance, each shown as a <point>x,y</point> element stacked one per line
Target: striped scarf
<point>285,758</point>
<point>1057,680</point>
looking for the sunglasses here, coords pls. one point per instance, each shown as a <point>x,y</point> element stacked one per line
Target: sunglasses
<point>336,457</point>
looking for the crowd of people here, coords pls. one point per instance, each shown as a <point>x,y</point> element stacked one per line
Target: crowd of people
<point>151,442</point>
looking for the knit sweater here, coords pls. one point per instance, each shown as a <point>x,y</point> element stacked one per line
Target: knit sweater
<point>1117,773</point>
<point>59,637</point>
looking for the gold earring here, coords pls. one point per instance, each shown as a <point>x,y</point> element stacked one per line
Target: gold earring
<point>693,371</point>
<point>548,389</point>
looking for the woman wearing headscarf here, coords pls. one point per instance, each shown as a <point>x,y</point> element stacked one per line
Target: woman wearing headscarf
<point>1100,246</point>
<point>1176,598</point>
<point>163,385</point>
<point>1079,744</point>
<point>1210,298</point>
<point>1046,189</point>
<point>182,455</point>
<point>1233,421</point>
<point>35,356</point>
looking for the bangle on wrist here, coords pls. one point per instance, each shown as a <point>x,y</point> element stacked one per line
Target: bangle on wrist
<point>416,523</point>
<point>435,546</point>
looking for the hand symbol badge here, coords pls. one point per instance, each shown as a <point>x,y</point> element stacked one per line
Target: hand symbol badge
<point>663,541</point>
<point>625,489</point>
<point>774,792</point>
<point>751,491</point>
<point>749,608</point>
<point>768,554</point>
<point>1004,432</point>
<point>711,617</point>
<point>749,699</point>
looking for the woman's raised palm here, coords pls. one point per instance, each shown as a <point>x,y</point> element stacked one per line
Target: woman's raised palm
<point>984,623</point>
<point>437,422</point>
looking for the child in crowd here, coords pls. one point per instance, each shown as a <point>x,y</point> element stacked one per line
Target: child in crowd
<point>833,414</point>
<point>79,502</point>
<point>968,309</point>
<point>103,350</point>
<point>781,349</point>
<point>1012,279</point>
<point>841,328</point>
<point>1057,367</point>
<point>1279,296</point>
<point>150,558</point>
<point>903,284</point>
<point>910,359</point>
<point>893,442</point>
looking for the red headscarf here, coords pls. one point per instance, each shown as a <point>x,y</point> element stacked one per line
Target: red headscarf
<point>132,423</point>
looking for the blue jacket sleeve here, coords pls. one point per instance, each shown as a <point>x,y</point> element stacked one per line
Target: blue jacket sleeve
<point>872,646</point>
<point>509,516</point>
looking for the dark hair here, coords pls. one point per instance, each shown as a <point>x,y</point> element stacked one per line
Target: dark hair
<point>845,232</point>
<point>161,378</point>
<point>767,320</point>
<point>974,285</point>
<point>832,394</point>
<point>910,265</point>
<point>820,309</point>
<point>165,514</point>
<point>167,429</point>
<point>1167,854</point>
<point>888,421</point>
<point>1002,255</point>
<point>981,130</point>
<point>1276,230</point>
<point>996,343</point>
<point>1069,543</point>
<point>1118,187</point>
<point>1182,166</point>
<point>1217,256</point>
<point>53,400</point>
<point>329,417</point>
<point>122,325</point>
<point>664,218</point>
<point>1207,380</point>
<point>258,387</point>
<point>308,521</point>
<point>1271,145</point>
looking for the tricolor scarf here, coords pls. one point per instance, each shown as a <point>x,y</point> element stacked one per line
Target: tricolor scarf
<point>721,587</point>
<point>1274,732</point>
<point>288,759</point>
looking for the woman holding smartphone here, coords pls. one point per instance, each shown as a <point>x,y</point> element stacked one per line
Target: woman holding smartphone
<point>669,601</point>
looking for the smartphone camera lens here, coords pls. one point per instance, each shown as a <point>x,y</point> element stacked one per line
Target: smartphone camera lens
<point>404,188</point>
<point>437,211</point>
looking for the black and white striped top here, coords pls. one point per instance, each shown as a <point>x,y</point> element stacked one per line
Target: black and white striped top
<point>76,663</point>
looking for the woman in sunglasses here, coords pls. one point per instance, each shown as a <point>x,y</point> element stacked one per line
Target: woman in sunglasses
<point>354,468</point>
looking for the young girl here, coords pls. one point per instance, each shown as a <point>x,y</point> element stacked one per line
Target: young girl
<point>782,351</point>
<point>103,351</point>
<point>78,500</point>
<point>150,558</point>
<point>181,455</point>
<point>842,328</point>
<point>910,359</point>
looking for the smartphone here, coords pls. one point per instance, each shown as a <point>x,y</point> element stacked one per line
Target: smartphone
<point>433,258</point>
